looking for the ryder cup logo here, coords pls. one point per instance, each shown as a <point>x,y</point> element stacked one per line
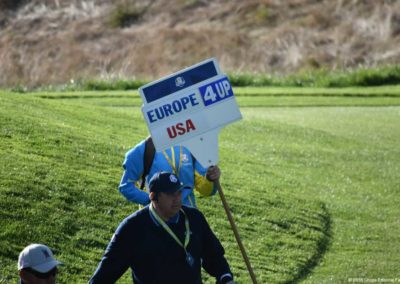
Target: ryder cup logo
<point>179,81</point>
<point>173,179</point>
<point>45,253</point>
<point>185,158</point>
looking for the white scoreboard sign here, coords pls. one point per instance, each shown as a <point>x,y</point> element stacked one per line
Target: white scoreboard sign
<point>189,108</point>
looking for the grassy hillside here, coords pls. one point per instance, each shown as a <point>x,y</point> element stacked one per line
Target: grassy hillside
<point>312,181</point>
<point>55,41</point>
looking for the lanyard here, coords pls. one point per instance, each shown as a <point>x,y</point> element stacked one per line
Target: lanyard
<point>172,162</point>
<point>168,229</point>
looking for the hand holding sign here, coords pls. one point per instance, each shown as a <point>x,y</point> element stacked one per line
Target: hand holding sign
<point>213,173</point>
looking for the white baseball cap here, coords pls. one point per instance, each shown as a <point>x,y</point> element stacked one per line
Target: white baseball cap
<point>38,257</point>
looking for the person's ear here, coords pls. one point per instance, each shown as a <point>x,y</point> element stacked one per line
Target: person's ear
<point>153,196</point>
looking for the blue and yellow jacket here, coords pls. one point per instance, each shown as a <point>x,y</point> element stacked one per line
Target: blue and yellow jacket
<point>178,160</point>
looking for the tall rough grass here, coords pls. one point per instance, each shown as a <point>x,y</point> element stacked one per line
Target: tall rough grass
<point>53,41</point>
<point>389,75</point>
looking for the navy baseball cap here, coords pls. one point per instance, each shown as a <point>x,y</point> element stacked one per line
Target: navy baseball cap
<point>165,182</point>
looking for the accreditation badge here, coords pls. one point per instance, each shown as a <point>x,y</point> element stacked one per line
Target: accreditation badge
<point>189,259</point>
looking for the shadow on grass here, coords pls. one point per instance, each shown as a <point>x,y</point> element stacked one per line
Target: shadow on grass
<point>322,247</point>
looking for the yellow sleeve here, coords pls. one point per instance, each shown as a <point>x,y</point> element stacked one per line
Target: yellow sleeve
<point>203,185</point>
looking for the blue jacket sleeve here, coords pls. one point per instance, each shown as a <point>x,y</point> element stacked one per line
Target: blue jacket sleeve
<point>133,169</point>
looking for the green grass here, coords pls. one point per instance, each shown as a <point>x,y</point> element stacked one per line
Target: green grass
<point>311,178</point>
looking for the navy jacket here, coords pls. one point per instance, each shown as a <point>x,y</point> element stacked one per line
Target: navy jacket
<point>154,256</point>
